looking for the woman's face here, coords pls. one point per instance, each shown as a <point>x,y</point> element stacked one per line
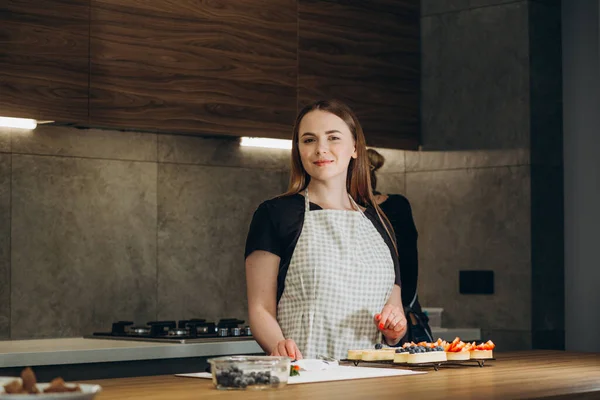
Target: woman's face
<point>326,145</point>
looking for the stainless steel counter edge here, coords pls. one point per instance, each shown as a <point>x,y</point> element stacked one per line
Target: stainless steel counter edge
<point>133,353</point>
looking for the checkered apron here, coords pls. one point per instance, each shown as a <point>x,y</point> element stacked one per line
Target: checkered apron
<point>341,274</point>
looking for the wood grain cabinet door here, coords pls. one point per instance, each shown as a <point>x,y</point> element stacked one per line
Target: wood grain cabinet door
<point>366,53</point>
<point>194,66</point>
<point>44,59</point>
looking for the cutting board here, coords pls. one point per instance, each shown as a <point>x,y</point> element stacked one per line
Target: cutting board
<point>340,373</point>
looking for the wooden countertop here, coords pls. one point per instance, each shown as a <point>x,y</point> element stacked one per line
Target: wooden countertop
<point>533,374</point>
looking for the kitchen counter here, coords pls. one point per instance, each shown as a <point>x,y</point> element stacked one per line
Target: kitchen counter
<point>533,374</point>
<point>39,352</point>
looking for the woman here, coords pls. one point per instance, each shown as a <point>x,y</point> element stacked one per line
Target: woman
<point>321,263</point>
<point>397,208</point>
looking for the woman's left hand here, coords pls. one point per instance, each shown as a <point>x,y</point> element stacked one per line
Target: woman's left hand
<point>391,322</point>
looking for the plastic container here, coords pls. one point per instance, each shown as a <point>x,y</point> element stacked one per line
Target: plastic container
<point>250,372</point>
<point>435,316</point>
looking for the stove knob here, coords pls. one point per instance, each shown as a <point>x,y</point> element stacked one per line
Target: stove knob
<point>235,332</point>
<point>247,331</point>
<point>223,332</point>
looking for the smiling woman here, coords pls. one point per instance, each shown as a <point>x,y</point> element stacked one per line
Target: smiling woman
<point>321,260</point>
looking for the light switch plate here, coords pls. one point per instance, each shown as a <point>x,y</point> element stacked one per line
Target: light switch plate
<point>476,282</point>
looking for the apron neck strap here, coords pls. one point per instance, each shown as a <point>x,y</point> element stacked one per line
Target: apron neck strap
<point>306,201</point>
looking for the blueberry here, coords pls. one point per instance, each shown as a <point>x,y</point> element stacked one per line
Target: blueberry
<point>378,346</point>
<point>250,381</point>
<point>274,380</point>
<point>261,378</point>
<point>398,350</point>
<point>223,381</point>
<point>237,382</point>
<point>428,349</point>
<point>244,383</point>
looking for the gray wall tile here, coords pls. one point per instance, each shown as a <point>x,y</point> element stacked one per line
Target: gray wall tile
<point>444,6</point>
<point>475,79</point>
<point>219,152</point>
<point>93,143</point>
<point>203,215</point>
<point>5,140</point>
<point>5,245</point>
<point>474,219</point>
<point>394,160</point>
<point>391,183</point>
<point>83,245</point>
<point>439,160</point>
<point>508,340</point>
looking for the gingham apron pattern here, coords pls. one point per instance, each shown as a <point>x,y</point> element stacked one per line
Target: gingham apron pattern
<point>340,275</point>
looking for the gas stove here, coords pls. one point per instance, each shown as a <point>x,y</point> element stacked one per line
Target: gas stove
<point>184,331</point>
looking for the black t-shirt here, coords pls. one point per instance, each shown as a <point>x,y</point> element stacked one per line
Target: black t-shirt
<point>398,210</point>
<point>276,227</point>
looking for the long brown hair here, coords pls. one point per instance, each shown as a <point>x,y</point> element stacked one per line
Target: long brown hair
<point>358,181</point>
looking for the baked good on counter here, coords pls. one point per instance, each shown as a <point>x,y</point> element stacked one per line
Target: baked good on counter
<point>384,354</point>
<point>458,350</point>
<point>28,385</point>
<point>420,353</point>
<point>379,353</point>
<point>482,351</point>
<point>425,352</point>
<point>355,354</point>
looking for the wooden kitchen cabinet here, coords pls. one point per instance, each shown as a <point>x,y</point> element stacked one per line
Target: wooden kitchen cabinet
<point>219,67</point>
<point>366,53</point>
<point>190,66</point>
<point>44,58</point>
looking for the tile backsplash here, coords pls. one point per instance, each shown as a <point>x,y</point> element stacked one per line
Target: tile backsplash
<point>156,228</point>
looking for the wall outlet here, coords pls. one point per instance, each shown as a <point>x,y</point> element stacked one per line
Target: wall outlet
<point>476,282</point>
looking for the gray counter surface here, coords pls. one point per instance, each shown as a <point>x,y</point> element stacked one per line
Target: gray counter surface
<point>20,353</point>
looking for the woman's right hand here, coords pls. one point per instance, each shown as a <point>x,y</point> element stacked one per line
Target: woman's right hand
<point>287,348</point>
